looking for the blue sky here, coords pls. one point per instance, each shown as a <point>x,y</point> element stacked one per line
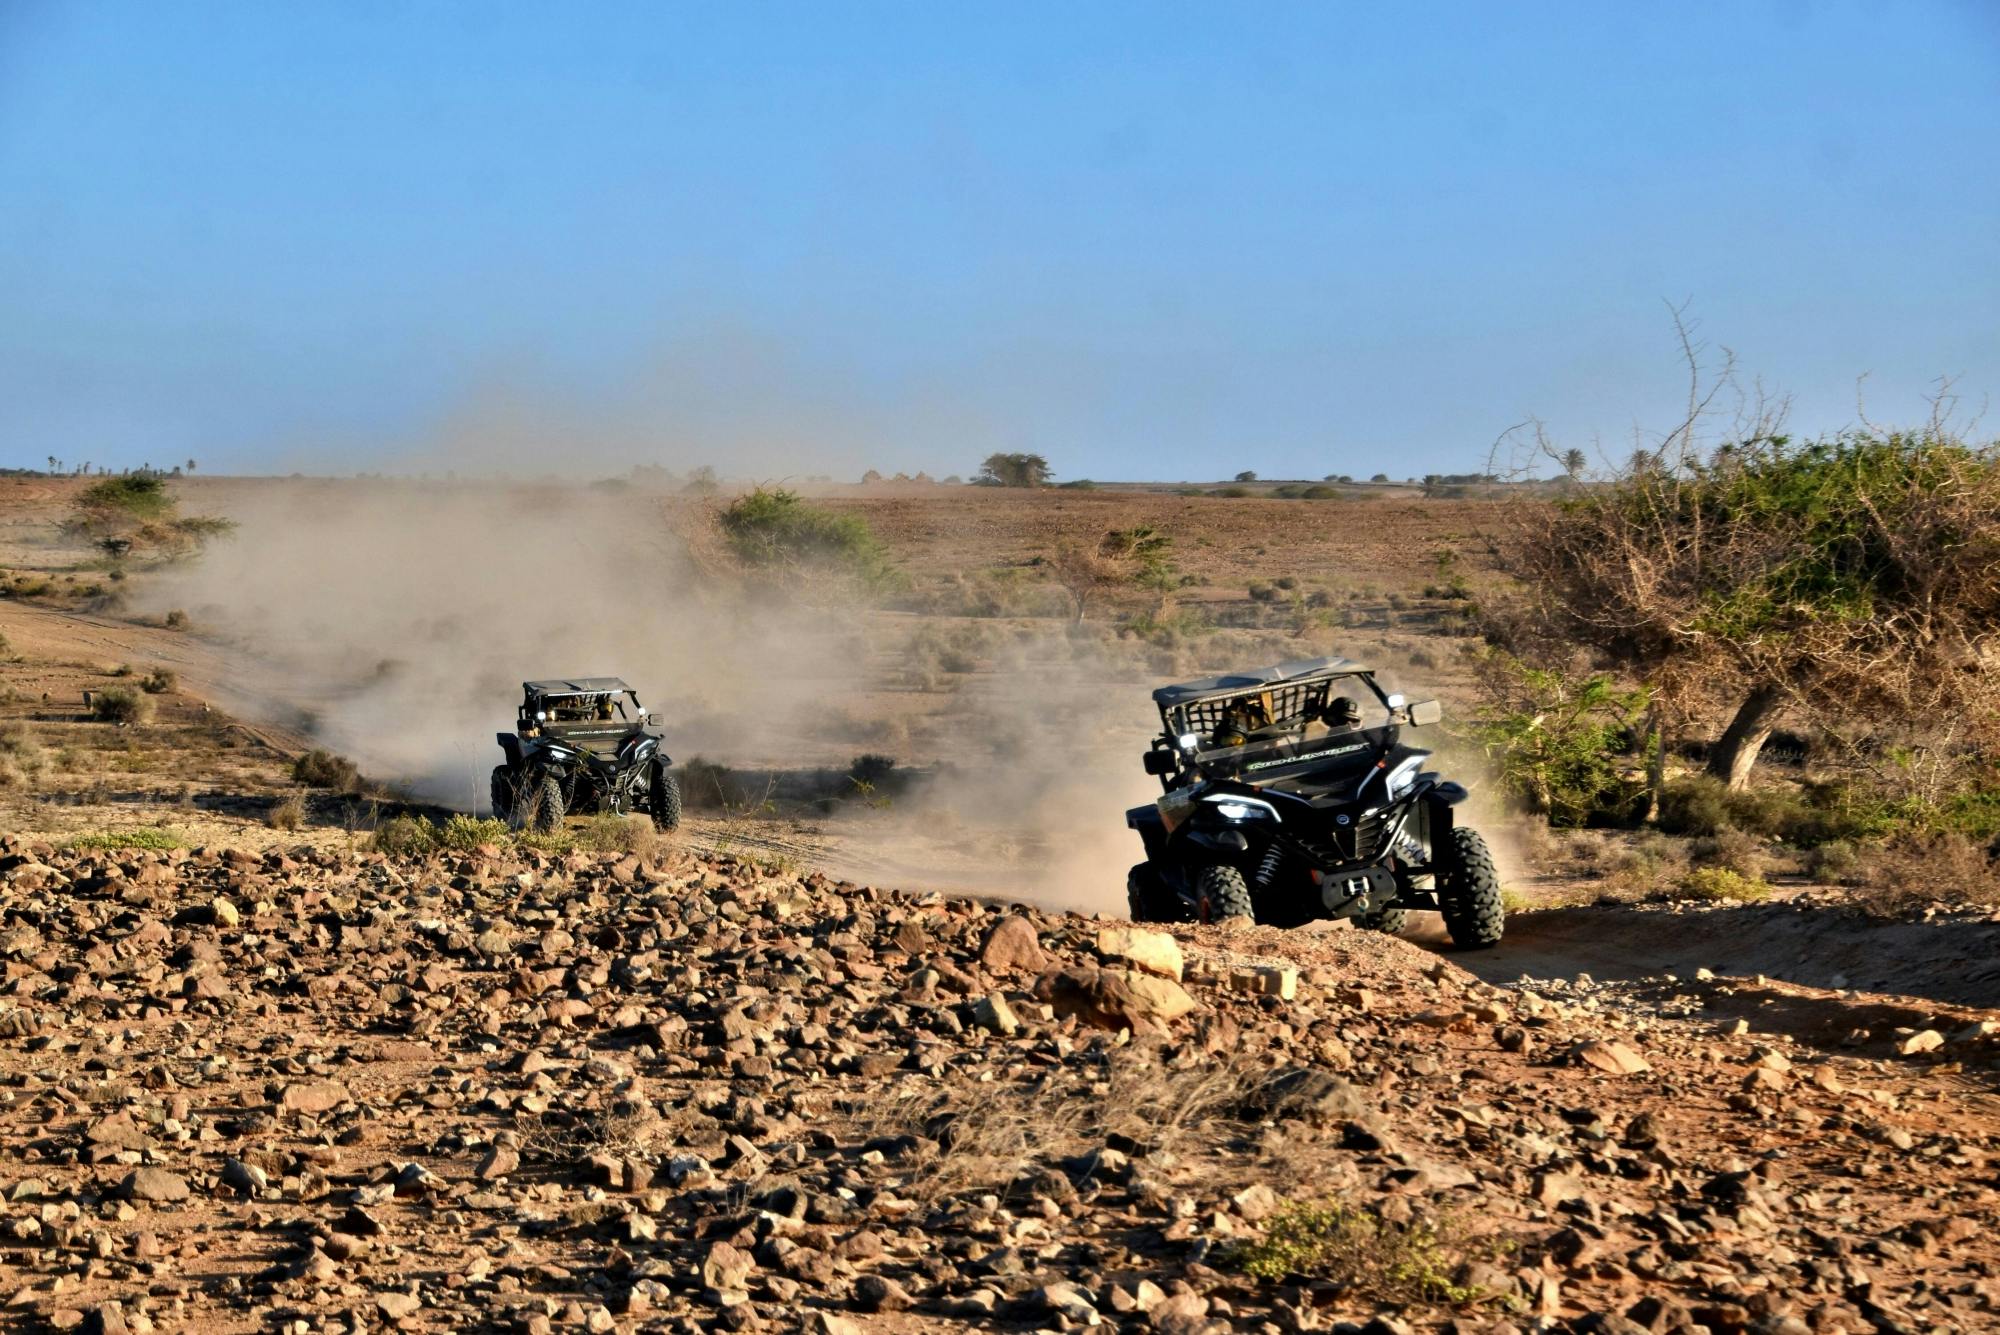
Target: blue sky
<point>1146,240</point>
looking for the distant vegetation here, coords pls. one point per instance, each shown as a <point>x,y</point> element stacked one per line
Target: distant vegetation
<point>1854,580</point>
<point>1013,470</point>
<point>136,512</point>
<point>771,527</point>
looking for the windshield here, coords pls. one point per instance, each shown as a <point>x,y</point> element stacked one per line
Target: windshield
<point>593,707</point>
<point>1282,718</point>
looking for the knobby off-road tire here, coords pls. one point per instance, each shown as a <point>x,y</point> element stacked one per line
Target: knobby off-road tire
<point>1225,892</point>
<point>503,792</point>
<point>665,799</point>
<point>1469,894</point>
<point>540,806</point>
<point>1384,920</point>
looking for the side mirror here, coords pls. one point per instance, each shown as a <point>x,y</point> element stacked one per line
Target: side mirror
<point>1425,711</point>
<point>1161,762</point>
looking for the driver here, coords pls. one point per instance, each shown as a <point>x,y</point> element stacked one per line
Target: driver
<point>1239,720</point>
<point>1341,714</point>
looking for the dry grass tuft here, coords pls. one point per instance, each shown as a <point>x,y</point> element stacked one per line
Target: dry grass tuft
<point>288,813</point>
<point>608,832</point>
<point>977,1137</point>
<point>1910,874</point>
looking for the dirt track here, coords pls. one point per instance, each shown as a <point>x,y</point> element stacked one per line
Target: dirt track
<point>1956,961</point>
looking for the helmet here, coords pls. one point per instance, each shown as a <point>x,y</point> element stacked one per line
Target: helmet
<point>1230,735</point>
<point>1341,712</point>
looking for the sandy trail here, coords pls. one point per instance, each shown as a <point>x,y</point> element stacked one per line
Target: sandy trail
<point>1955,961</point>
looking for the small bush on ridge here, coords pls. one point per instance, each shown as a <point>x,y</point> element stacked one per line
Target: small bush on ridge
<point>120,704</point>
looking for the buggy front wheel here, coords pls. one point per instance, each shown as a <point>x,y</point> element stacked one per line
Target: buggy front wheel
<point>1469,894</point>
<point>665,799</point>
<point>1223,893</point>
<point>540,805</point>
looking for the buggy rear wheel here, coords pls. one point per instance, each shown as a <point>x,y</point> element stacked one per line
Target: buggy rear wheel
<point>665,799</point>
<point>503,792</point>
<point>1469,894</point>
<point>1223,893</point>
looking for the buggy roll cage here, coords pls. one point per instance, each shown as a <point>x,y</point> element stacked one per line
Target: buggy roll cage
<point>1283,695</point>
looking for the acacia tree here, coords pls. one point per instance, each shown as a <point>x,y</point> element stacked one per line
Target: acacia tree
<point>1013,470</point>
<point>1125,556</point>
<point>1851,577</point>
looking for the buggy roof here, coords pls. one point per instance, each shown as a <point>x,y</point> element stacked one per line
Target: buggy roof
<point>575,686</point>
<point>1167,697</point>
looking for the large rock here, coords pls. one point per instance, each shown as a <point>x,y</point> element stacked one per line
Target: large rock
<point>1153,952</point>
<point>1115,999</point>
<point>726,1269</point>
<point>156,1185</point>
<point>314,1096</point>
<point>1013,947</point>
<point>1609,1056</point>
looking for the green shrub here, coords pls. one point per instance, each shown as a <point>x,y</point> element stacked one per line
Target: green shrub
<point>608,832</point>
<point>1836,862</point>
<point>555,842</point>
<point>1734,850</point>
<point>111,840</point>
<point>1361,1253</point>
<point>463,834</point>
<point>141,496</point>
<point>159,681</point>
<point>406,836</point>
<point>1230,493</point>
<point>176,620</point>
<point>1563,746</point>
<point>120,704</point>
<point>774,527</point>
<point>1261,592</point>
<point>1721,885</point>
<point>320,768</point>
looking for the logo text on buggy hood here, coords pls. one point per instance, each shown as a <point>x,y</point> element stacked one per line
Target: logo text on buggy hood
<point>1310,755</point>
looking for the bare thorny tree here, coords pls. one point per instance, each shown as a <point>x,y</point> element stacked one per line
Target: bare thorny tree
<point>1853,582</point>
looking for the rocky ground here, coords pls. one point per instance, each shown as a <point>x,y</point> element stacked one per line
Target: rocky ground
<point>334,1091</point>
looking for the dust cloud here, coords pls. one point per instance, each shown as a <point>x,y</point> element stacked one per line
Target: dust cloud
<point>1032,806</point>
<point>395,621</point>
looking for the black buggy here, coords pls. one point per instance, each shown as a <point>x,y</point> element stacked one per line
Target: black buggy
<point>583,746</point>
<point>1290,796</point>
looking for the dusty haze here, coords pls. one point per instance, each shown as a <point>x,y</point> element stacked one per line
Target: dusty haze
<point>395,620</point>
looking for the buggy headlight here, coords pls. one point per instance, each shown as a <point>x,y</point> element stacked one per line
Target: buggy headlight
<point>1190,740</point>
<point>1232,811</point>
<point>1403,776</point>
<point>541,716</point>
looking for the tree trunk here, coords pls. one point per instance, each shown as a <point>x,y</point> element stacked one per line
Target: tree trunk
<point>1656,764</point>
<point>1735,753</point>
